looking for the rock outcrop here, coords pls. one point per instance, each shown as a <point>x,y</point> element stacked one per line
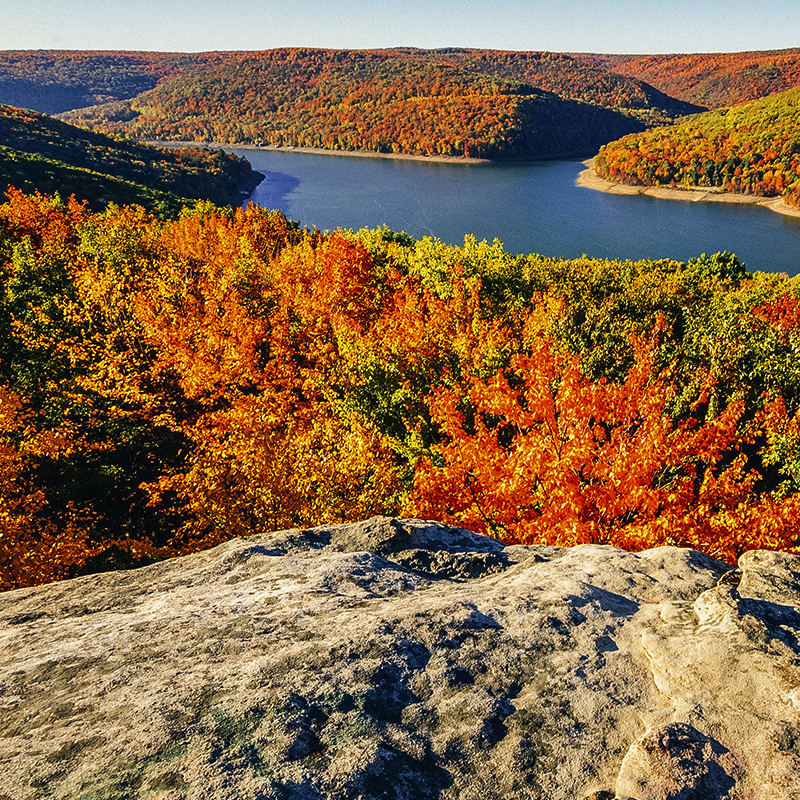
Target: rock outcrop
<point>406,660</point>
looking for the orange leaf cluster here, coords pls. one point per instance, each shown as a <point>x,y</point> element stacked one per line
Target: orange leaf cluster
<point>165,385</point>
<point>546,455</point>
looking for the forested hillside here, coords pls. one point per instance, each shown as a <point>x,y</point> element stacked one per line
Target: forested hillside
<point>51,81</point>
<point>168,384</point>
<point>45,154</point>
<point>386,101</point>
<point>751,149</point>
<point>432,102</point>
<point>713,80</point>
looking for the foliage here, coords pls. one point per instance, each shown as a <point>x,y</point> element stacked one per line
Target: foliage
<point>45,154</point>
<point>547,455</point>
<point>386,101</point>
<point>751,149</point>
<point>712,80</point>
<point>166,384</point>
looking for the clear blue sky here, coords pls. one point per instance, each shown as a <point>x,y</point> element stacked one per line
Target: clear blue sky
<point>601,26</point>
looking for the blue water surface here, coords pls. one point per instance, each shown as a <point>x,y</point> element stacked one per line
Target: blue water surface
<point>532,208</point>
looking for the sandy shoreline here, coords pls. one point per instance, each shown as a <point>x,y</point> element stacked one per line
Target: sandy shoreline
<point>590,179</point>
<point>319,151</point>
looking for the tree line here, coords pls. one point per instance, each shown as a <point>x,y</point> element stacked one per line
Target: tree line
<point>749,149</point>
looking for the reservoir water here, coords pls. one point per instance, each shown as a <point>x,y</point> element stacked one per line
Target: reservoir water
<point>531,208</point>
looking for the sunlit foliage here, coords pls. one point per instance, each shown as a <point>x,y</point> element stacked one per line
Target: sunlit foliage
<point>750,149</point>
<point>166,384</point>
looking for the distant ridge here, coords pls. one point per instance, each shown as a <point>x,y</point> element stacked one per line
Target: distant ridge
<point>713,80</point>
<point>52,81</point>
<point>451,102</point>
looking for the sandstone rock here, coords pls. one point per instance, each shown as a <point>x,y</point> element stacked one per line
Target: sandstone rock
<point>675,761</point>
<point>403,659</point>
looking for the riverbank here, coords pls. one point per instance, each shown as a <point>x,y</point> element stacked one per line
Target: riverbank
<point>591,180</point>
<point>320,151</point>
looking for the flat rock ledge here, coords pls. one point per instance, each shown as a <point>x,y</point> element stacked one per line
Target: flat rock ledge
<point>407,660</point>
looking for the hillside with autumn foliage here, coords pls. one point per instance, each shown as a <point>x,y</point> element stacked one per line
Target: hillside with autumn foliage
<point>39,153</point>
<point>748,149</point>
<point>712,80</point>
<point>414,102</point>
<point>166,384</point>
<point>451,101</point>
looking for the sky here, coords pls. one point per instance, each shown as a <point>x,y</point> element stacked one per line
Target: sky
<point>599,26</point>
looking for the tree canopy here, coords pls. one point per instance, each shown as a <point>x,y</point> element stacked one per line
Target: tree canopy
<point>753,148</point>
<point>166,384</point>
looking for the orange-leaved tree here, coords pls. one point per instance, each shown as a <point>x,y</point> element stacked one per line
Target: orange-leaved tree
<point>540,453</point>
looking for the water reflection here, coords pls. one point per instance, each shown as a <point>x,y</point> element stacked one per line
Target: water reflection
<point>274,190</point>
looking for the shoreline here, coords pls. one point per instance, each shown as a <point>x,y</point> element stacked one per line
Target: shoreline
<point>589,179</point>
<point>321,151</point>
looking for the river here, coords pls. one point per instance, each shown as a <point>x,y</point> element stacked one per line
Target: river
<point>532,208</point>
